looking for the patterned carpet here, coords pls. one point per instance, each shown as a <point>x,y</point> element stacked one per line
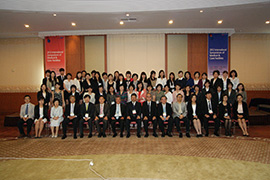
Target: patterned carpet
<point>157,158</point>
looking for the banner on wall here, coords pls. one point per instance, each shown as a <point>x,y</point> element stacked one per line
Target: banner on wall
<point>217,53</point>
<point>55,53</point>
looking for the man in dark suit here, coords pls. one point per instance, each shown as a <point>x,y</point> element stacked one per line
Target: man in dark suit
<point>164,113</point>
<point>87,114</point>
<point>72,113</point>
<point>216,81</point>
<point>102,114</point>
<point>149,110</point>
<point>133,114</point>
<point>209,111</point>
<point>217,96</point>
<point>61,78</point>
<point>47,77</point>
<point>118,114</point>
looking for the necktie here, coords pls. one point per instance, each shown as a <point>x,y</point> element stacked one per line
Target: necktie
<point>149,107</point>
<point>26,110</point>
<point>117,110</point>
<point>86,107</point>
<point>209,105</point>
<point>164,109</point>
<point>101,109</point>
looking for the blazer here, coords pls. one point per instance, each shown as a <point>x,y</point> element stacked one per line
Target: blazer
<point>106,110</point>
<point>190,110</point>
<point>137,107</point>
<point>31,109</point>
<point>97,95</point>
<point>145,109</point>
<point>76,110</point>
<point>47,99</point>
<point>205,109</point>
<point>61,81</point>
<point>224,109</point>
<point>245,110</point>
<point>122,109</point>
<point>118,85</point>
<point>182,82</point>
<point>171,85</point>
<point>204,91</point>
<point>90,110</point>
<point>200,83</point>
<point>175,108</point>
<point>216,98</point>
<point>160,110</point>
<point>85,85</point>
<point>217,83</point>
<point>231,97</point>
<point>77,96</point>
<point>45,112</point>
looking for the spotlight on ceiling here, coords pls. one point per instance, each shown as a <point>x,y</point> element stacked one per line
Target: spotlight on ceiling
<point>171,21</point>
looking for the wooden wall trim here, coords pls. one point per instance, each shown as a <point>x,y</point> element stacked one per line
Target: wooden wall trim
<point>105,54</point>
<point>82,53</point>
<point>166,55</point>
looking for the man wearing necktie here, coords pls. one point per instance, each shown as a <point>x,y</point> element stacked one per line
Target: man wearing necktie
<point>102,114</point>
<point>118,114</point>
<point>133,114</point>
<point>71,115</point>
<point>87,114</point>
<point>61,78</point>
<point>149,110</point>
<point>165,115</point>
<point>209,110</point>
<point>26,116</point>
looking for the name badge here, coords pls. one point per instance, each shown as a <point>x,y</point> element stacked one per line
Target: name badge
<point>210,112</point>
<point>86,115</point>
<point>71,114</point>
<point>134,111</point>
<point>26,116</point>
<point>113,102</point>
<point>101,115</point>
<point>99,84</point>
<point>157,102</point>
<point>40,117</point>
<point>226,114</point>
<point>164,115</point>
<point>53,88</point>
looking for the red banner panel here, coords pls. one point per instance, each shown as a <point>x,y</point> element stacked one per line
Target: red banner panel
<point>55,53</point>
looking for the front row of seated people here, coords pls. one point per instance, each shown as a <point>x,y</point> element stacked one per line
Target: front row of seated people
<point>101,114</point>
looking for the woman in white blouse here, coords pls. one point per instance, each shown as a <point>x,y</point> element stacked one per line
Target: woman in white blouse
<point>234,79</point>
<point>196,77</point>
<point>56,117</point>
<point>67,86</point>
<point>41,113</point>
<point>131,90</point>
<point>168,94</point>
<point>161,79</point>
<point>193,114</point>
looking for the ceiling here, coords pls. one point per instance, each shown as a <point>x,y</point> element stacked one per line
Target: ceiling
<point>96,16</point>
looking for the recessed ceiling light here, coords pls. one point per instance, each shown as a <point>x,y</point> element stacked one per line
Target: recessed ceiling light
<point>220,21</point>
<point>54,15</point>
<point>73,24</point>
<point>267,22</point>
<point>121,22</point>
<point>201,11</point>
<point>26,25</point>
<point>127,14</point>
<point>171,21</point>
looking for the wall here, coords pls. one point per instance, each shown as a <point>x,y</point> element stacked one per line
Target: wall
<point>95,53</point>
<point>177,53</point>
<point>22,66</point>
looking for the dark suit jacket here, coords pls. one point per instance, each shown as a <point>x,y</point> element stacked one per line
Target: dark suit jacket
<point>113,110</point>
<point>222,110</point>
<point>45,112</point>
<point>182,82</point>
<point>106,110</point>
<point>169,83</point>
<point>44,81</point>
<point>47,99</point>
<point>85,85</point>
<point>190,110</point>
<point>203,92</point>
<point>97,95</point>
<point>232,97</point>
<point>76,110</point>
<point>245,110</point>
<point>137,108</point>
<point>204,107</point>
<point>118,85</point>
<point>160,110</point>
<point>145,109</point>
<point>90,110</point>
<point>61,81</point>
<point>218,82</point>
<point>77,96</point>
<point>215,97</point>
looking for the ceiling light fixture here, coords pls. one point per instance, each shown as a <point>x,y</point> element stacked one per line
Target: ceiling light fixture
<point>267,22</point>
<point>127,14</point>
<point>121,22</point>
<point>26,25</point>
<point>73,24</point>
<point>171,21</point>
<point>201,11</point>
<point>220,21</point>
<point>54,15</point>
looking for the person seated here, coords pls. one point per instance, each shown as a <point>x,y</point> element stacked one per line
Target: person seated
<point>131,90</point>
<point>149,111</point>
<point>225,114</point>
<point>231,93</point>
<point>193,109</point>
<point>87,111</point>
<point>180,114</point>
<point>133,114</point>
<point>209,111</point>
<point>158,93</point>
<point>102,114</point>
<point>164,114</point>
<point>118,114</point>
<point>45,94</point>
<point>177,91</point>
<point>216,81</point>
<point>91,94</point>
<point>41,116</point>
<point>141,92</point>
<point>56,117</point>
<point>100,92</point>
<point>123,94</point>
<point>168,94</point>
<point>72,112</point>
<point>240,111</point>
<point>26,116</point>
<point>74,93</point>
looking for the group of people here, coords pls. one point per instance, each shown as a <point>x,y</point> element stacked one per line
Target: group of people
<point>115,99</point>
